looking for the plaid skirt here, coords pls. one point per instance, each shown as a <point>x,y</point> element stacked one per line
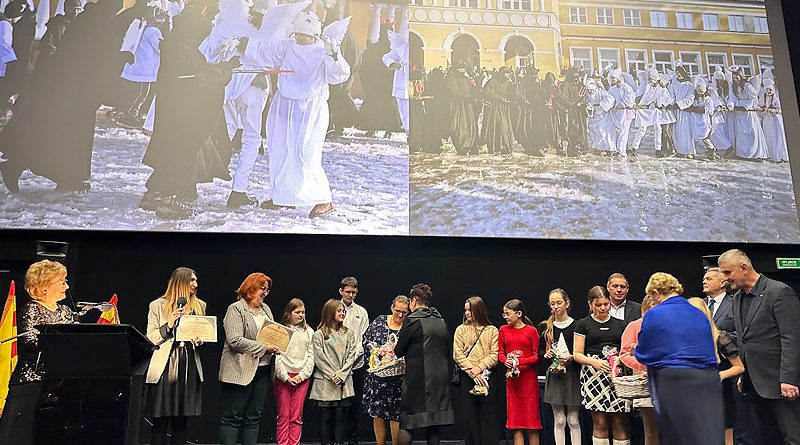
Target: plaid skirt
<point>597,392</point>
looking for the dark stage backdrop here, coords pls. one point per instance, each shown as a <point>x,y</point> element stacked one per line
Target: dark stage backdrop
<point>136,266</point>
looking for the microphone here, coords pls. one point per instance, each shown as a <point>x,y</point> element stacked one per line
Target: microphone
<point>181,302</point>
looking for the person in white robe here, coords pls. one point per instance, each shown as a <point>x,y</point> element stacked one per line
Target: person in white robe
<point>772,122</point>
<point>600,126</point>
<point>683,97</point>
<point>298,115</point>
<point>397,60</point>
<point>7,54</point>
<point>748,136</point>
<point>651,98</point>
<point>701,117</point>
<point>721,135</point>
<point>622,114</point>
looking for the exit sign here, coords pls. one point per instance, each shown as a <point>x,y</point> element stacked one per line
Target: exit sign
<point>788,263</point>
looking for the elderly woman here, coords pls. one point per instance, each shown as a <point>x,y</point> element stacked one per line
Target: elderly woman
<point>245,366</point>
<point>46,283</point>
<point>382,394</point>
<point>677,346</point>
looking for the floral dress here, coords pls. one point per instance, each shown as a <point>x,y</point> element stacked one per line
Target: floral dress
<point>381,394</point>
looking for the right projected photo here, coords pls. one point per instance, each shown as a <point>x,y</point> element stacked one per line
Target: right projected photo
<point>632,120</point>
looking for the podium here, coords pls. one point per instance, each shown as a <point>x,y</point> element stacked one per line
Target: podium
<point>94,377</point>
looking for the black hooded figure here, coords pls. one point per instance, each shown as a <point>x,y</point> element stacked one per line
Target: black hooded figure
<point>462,93</point>
<point>52,130</point>
<point>190,144</point>
<point>546,110</point>
<point>572,116</point>
<point>437,108</point>
<point>529,128</point>
<point>379,110</point>
<point>497,129</point>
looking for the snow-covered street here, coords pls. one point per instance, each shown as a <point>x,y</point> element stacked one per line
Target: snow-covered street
<point>369,179</point>
<point>593,197</point>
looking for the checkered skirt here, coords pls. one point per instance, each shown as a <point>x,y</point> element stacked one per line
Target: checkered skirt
<point>597,392</point>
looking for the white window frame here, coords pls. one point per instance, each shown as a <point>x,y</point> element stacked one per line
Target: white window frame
<point>751,66</point>
<point>578,14</point>
<point>760,58</point>
<point>516,5</point>
<point>632,17</point>
<point>711,68</point>
<point>760,25</point>
<point>710,22</point>
<point>699,63</point>
<point>736,23</point>
<point>681,20</point>
<point>417,2</point>
<point>657,23</point>
<point>637,62</point>
<point>663,64</point>
<point>588,49</point>
<point>600,61</point>
<point>605,16</point>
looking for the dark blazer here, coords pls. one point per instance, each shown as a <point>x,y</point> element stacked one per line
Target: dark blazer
<point>633,311</point>
<point>770,336</point>
<point>723,318</point>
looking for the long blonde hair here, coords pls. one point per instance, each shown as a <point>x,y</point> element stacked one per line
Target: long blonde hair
<point>179,286</point>
<point>548,331</point>
<point>699,303</point>
<point>328,323</point>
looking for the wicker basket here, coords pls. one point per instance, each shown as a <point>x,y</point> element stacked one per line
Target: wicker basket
<point>395,368</point>
<point>631,386</point>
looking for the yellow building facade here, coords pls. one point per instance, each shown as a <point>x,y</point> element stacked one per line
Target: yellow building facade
<point>552,34</point>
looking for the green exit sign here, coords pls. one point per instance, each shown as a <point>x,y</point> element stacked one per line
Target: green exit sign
<point>788,263</point>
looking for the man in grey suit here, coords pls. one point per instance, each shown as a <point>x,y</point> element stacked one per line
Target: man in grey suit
<point>621,307</point>
<point>766,313</point>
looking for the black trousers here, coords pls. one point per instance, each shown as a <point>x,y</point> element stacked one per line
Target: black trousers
<point>17,422</point>
<point>779,420</point>
<point>689,406</point>
<point>354,411</point>
<point>477,415</point>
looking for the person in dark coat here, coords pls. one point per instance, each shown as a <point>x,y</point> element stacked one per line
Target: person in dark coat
<point>189,143</point>
<point>425,342</point>
<point>437,108</point>
<point>572,116</point>
<point>528,128</point>
<point>497,129</point>
<point>463,122</point>
<point>547,114</point>
<point>379,111</point>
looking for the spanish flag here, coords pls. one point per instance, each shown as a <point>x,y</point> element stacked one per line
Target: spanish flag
<point>110,316</point>
<point>8,350</point>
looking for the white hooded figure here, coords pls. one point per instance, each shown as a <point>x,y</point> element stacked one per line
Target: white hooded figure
<point>682,90</point>
<point>772,122</point>
<point>721,136</point>
<point>298,115</point>
<point>7,54</point>
<point>652,98</point>
<point>397,59</point>
<point>622,113</point>
<point>600,126</point>
<point>748,136</point>
<point>702,111</point>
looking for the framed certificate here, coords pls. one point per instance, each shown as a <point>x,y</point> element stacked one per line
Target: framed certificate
<point>191,326</point>
<point>275,334</point>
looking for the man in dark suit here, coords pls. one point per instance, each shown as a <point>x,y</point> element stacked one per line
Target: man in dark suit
<point>621,307</point>
<point>766,313</point>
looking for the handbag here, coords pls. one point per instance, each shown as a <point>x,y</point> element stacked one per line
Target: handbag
<point>456,377</point>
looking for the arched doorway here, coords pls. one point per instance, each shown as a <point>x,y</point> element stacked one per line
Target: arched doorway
<point>465,47</point>
<point>519,52</point>
<point>416,55</point>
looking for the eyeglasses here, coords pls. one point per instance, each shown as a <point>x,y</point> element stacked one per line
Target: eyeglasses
<point>508,314</point>
<point>265,288</point>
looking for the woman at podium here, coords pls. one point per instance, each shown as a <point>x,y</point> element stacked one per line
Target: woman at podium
<point>175,374</point>
<point>46,283</point>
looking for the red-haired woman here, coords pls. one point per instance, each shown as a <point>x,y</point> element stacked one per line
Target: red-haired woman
<point>244,369</point>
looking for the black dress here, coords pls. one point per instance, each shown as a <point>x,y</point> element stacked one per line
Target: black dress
<point>561,388</point>
<point>179,390</point>
<point>727,348</point>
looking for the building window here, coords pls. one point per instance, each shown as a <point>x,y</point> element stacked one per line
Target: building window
<point>581,57</point>
<point>577,14</point>
<point>765,62</point>
<point>736,23</point>
<point>417,2</point>
<point>519,5</point>
<point>745,62</point>
<point>760,25</point>
<point>632,17</point>
<point>608,57</point>
<point>605,16</point>
<point>691,62</point>
<point>463,3</point>
<point>663,60</point>
<point>658,19</point>
<point>714,60</point>
<point>685,20</point>
<point>711,22</point>
<point>637,60</point>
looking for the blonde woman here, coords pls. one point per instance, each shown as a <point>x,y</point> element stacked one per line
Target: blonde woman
<point>175,375</point>
<point>730,365</point>
<point>46,283</point>
<point>677,346</point>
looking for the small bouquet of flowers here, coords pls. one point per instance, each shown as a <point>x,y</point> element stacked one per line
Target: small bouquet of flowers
<point>482,390</point>
<point>382,360</point>
<point>513,359</point>
<point>611,353</point>
<point>559,350</point>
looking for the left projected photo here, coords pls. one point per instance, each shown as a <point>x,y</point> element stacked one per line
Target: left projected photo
<point>204,115</point>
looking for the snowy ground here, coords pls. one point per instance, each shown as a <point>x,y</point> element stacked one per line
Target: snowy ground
<point>369,179</point>
<point>592,197</point>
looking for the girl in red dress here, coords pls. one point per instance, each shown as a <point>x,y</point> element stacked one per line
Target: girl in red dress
<point>518,346</point>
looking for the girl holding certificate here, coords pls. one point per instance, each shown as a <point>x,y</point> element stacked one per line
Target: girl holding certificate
<point>244,370</point>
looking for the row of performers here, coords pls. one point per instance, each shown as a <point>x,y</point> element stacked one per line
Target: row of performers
<point>730,115</point>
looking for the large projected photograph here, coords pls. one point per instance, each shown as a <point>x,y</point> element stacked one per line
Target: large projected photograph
<point>624,120</point>
<point>204,115</point>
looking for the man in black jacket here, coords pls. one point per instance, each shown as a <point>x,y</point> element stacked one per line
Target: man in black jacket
<point>621,308</point>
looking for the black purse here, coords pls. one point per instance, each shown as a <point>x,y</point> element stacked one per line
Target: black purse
<point>456,378</point>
